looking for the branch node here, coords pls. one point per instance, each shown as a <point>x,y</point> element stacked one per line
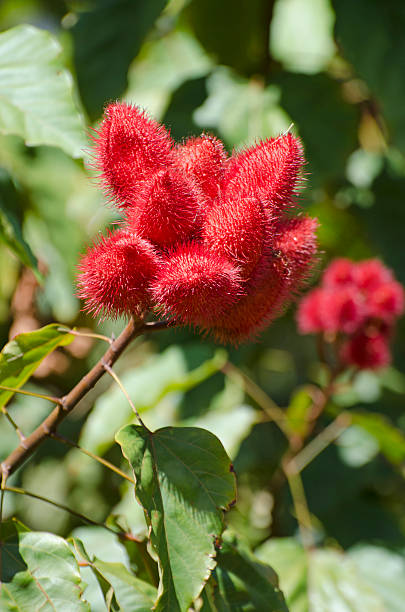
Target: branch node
<point>5,471</point>
<point>63,403</point>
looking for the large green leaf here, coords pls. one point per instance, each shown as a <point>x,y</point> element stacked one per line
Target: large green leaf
<point>20,357</point>
<point>107,39</point>
<point>376,48</point>
<point>46,577</point>
<point>242,583</point>
<point>36,91</point>
<point>184,481</point>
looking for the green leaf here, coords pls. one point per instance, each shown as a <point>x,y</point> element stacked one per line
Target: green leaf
<point>375,46</point>
<point>49,578</point>
<point>10,229</point>
<point>118,584</point>
<point>106,41</point>
<point>391,440</point>
<point>301,34</point>
<point>243,583</point>
<point>335,583</point>
<point>10,234</point>
<point>11,560</point>
<point>384,570</point>
<point>20,357</point>
<point>299,411</point>
<point>289,560</point>
<point>130,593</point>
<point>184,481</point>
<point>322,580</point>
<point>36,91</point>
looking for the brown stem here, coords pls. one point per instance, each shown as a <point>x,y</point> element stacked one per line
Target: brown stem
<point>49,425</point>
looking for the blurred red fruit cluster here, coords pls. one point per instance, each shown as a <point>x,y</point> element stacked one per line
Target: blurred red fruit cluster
<point>208,240</point>
<point>360,300</point>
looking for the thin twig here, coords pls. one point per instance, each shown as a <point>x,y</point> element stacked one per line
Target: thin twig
<point>49,425</point>
<point>258,395</point>
<point>70,401</point>
<point>101,460</point>
<point>76,332</point>
<point>13,425</point>
<point>84,518</point>
<point>300,504</point>
<point>320,442</point>
<point>125,392</point>
<point>50,398</point>
<point>2,495</point>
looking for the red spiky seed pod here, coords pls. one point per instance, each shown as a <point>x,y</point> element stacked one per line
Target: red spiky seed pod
<point>167,210</point>
<point>370,274</point>
<point>296,243</point>
<point>255,311</point>
<point>236,229</point>
<point>331,310</point>
<point>277,277</point>
<point>341,271</point>
<point>366,351</point>
<point>115,275</point>
<point>270,171</point>
<point>310,315</point>
<point>195,285</point>
<point>202,159</point>
<point>387,301</point>
<point>129,146</point>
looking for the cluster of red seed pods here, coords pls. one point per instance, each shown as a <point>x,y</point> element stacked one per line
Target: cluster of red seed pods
<point>208,240</point>
<point>360,301</point>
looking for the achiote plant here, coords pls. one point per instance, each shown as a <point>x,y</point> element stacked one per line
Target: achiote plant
<point>209,241</point>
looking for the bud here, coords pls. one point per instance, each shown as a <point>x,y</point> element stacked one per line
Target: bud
<point>367,352</point>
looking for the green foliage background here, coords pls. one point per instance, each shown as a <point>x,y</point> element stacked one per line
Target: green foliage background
<point>242,70</point>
